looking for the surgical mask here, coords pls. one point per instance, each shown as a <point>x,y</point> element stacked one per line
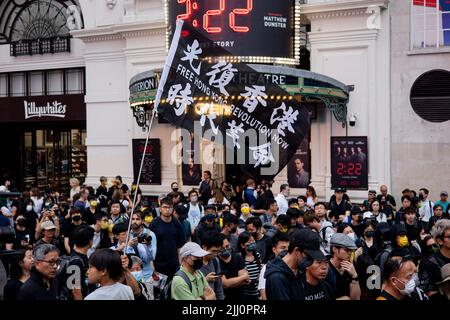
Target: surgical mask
<point>148,219</point>
<point>434,248</point>
<point>29,207</point>
<point>352,236</point>
<point>403,241</point>
<point>104,225</point>
<point>197,264</point>
<point>138,275</point>
<point>194,199</point>
<point>226,253</point>
<point>251,247</point>
<point>410,286</point>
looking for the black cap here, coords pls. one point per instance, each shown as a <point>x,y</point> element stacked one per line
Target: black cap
<point>309,242</point>
<point>355,210</point>
<point>339,189</point>
<point>210,206</point>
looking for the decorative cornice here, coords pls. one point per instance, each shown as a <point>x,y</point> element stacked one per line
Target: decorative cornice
<point>333,9</point>
<point>343,36</point>
<point>121,31</point>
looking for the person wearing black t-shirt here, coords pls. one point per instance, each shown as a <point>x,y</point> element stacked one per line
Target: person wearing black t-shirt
<point>23,236</point>
<point>342,275</point>
<point>102,193</point>
<point>385,199</point>
<point>315,286</point>
<point>20,270</point>
<point>76,221</point>
<point>339,207</point>
<point>236,276</point>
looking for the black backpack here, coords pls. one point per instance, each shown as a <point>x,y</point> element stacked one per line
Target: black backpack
<point>64,293</point>
<point>166,292</point>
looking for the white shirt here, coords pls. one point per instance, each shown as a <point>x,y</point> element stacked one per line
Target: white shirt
<point>194,215</point>
<point>74,192</point>
<point>426,210</point>
<point>116,291</point>
<point>282,203</point>
<point>310,202</point>
<point>262,279</point>
<point>213,201</point>
<point>381,217</point>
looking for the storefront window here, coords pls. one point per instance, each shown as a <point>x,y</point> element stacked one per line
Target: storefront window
<point>3,85</point>
<point>55,80</point>
<point>18,87</point>
<point>75,81</point>
<point>36,84</point>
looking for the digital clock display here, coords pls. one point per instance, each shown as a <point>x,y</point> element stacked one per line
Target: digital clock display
<point>252,30</point>
<point>349,164</point>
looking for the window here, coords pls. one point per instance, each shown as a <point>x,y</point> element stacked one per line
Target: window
<point>430,23</point>
<point>36,84</point>
<point>430,96</point>
<point>75,81</point>
<point>18,87</point>
<point>3,85</point>
<point>55,84</point>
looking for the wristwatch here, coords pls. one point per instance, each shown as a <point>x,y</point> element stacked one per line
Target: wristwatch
<point>355,279</point>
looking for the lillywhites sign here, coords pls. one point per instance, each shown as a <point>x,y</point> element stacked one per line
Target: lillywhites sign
<point>55,109</point>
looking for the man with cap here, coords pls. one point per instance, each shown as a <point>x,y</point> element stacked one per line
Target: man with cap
<point>339,206</point>
<point>189,283</point>
<point>283,274</point>
<point>342,275</point>
<point>48,228</point>
<point>443,201</point>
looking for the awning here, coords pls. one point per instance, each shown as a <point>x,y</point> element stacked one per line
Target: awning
<point>306,85</point>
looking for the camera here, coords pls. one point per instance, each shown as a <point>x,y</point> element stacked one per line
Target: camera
<point>352,120</point>
<point>144,238</point>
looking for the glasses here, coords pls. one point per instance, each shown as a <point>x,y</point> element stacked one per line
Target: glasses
<point>52,263</point>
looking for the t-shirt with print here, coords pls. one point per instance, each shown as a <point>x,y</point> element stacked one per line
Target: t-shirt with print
<point>320,292</point>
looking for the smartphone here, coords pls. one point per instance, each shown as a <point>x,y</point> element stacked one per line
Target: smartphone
<point>221,273</point>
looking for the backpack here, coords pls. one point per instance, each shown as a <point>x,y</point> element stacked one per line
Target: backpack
<point>64,293</point>
<point>382,257</point>
<point>166,292</point>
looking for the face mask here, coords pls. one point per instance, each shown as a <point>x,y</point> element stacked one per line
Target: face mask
<point>232,211</point>
<point>434,248</point>
<point>138,276</point>
<point>225,253</point>
<point>76,218</point>
<point>29,207</point>
<point>370,234</point>
<point>197,264</point>
<point>245,211</point>
<point>360,219</point>
<point>409,287</point>
<point>110,227</point>
<point>233,230</point>
<point>254,235</point>
<point>148,219</point>
<point>93,203</point>
<point>352,236</point>
<point>251,247</point>
<point>284,230</point>
<point>104,225</point>
<point>403,241</point>
<point>20,222</point>
<point>175,189</point>
<point>194,199</point>
<point>47,204</point>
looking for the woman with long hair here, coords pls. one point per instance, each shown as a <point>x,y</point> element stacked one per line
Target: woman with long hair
<point>20,270</point>
<point>247,249</point>
<point>311,197</point>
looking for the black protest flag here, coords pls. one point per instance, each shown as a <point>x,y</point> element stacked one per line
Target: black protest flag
<point>261,124</point>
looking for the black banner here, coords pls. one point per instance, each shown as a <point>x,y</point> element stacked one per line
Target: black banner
<point>349,163</point>
<point>151,170</point>
<point>260,121</point>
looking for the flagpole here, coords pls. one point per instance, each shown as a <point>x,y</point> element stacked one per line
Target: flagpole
<point>139,180</point>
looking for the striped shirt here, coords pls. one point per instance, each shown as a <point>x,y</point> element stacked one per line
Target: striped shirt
<point>253,270</point>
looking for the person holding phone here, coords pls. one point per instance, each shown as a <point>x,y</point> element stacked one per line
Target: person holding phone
<point>212,242</point>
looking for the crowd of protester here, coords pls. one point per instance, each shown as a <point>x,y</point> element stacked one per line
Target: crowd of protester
<point>224,242</point>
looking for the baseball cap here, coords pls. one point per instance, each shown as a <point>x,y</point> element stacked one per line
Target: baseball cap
<point>48,225</point>
<point>444,193</point>
<point>372,192</point>
<point>309,242</point>
<point>339,189</point>
<point>445,272</point>
<point>192,249</point>
<point>342,240</point>
<point>367,215</point>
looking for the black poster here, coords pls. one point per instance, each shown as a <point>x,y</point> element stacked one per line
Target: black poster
<point>260,124</point>
<point>349,163</point>
<point>151,170</point>
<point>299,168</point>
<point>191,172</point>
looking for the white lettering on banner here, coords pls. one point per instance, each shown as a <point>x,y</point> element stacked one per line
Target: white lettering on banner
<point>181,100</point>
<point>226,72</point>
<point>207,111</point>
<point>286,120</point>
<point>192,54</point>
<point>254,95</point>
<point>234,131</point>
<point>55,109</point>
<point>262,154</point>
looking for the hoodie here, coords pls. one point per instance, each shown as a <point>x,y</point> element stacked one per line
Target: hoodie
<point>282,283</point>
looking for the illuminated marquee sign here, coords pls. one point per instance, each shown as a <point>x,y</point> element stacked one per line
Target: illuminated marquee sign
<point>253,31</point>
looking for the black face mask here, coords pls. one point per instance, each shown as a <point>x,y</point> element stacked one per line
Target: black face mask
<point>197,264</point>
<point>233,230</point>
<point>370,234</point>
<point>175,189</point>
<point>254,235</point>
<point>225,253</point>
<point>21,222</point>
<point>76,218</point>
